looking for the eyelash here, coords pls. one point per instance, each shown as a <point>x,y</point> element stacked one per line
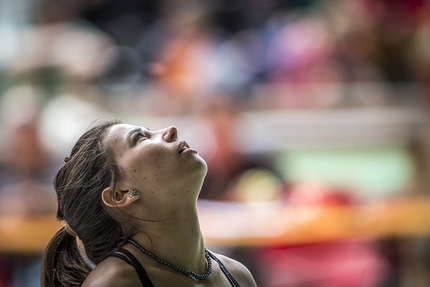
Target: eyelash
<point>140,135</point>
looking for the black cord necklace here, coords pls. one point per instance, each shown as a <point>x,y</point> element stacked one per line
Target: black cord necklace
<point>179,269</point>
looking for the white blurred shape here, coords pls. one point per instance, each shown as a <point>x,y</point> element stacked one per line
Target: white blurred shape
<point>64,119</point>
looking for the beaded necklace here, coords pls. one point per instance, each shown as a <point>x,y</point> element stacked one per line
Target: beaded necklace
<point>174,267</point>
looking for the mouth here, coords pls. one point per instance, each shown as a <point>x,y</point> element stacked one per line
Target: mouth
<point>182,147</point>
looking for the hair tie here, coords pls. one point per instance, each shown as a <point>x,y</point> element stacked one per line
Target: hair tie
<point>66,159</point>
<point>70,230</point>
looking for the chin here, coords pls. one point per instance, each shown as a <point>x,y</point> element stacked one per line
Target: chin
<point>204,166</point>
<point>202,172</point>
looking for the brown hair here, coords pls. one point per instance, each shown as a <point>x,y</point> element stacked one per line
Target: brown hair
<point>78,184</point>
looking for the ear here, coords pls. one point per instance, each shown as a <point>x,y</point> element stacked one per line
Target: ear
<point>120,197</point>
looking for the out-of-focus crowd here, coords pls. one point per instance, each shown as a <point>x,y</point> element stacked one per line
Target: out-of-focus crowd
<point>64,64</point>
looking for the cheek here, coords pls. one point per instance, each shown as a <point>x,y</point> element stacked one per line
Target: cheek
<point>154,162</point>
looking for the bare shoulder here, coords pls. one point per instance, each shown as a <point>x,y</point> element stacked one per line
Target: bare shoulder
<point>113,272</point>
<point>239,271</point>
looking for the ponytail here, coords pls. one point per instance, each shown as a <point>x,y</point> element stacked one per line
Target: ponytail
<point>62,263</point>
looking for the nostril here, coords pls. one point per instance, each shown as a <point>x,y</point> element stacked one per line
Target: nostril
<point>172,134</point>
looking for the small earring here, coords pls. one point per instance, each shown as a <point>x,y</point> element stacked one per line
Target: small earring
<point>133,193</point>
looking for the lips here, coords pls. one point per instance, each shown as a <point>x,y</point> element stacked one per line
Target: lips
<point>182,147</point>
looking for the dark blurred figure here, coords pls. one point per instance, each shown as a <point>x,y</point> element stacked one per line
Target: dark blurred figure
<point>228,164</point>
<point>233,175</point>
<point>26,171</point>
<point>24,157</point>
<point>177,51</point>
<point>123,21</point>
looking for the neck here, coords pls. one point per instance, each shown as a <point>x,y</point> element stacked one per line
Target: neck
<point>177,240</point>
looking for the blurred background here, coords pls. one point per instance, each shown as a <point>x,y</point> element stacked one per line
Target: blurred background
<point>313,117</point>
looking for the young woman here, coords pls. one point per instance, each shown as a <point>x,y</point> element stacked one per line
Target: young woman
<point>128,198</point>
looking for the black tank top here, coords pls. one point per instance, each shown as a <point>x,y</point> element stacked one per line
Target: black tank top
<point>130,259</point>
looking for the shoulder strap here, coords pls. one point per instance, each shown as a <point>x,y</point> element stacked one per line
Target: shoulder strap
<point>130,259</point>
<point>224,270</point>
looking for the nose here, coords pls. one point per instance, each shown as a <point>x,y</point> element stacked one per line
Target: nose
<point>170,134</point>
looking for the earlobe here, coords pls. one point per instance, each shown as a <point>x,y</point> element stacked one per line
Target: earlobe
<point>119,198</point>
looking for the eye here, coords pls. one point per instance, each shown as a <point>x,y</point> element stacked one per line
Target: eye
<point>140,135</point>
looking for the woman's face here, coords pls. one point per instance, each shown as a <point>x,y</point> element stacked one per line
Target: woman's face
<point>156,163</point>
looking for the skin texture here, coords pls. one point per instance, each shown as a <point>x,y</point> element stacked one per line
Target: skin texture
<point>164,213</point>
